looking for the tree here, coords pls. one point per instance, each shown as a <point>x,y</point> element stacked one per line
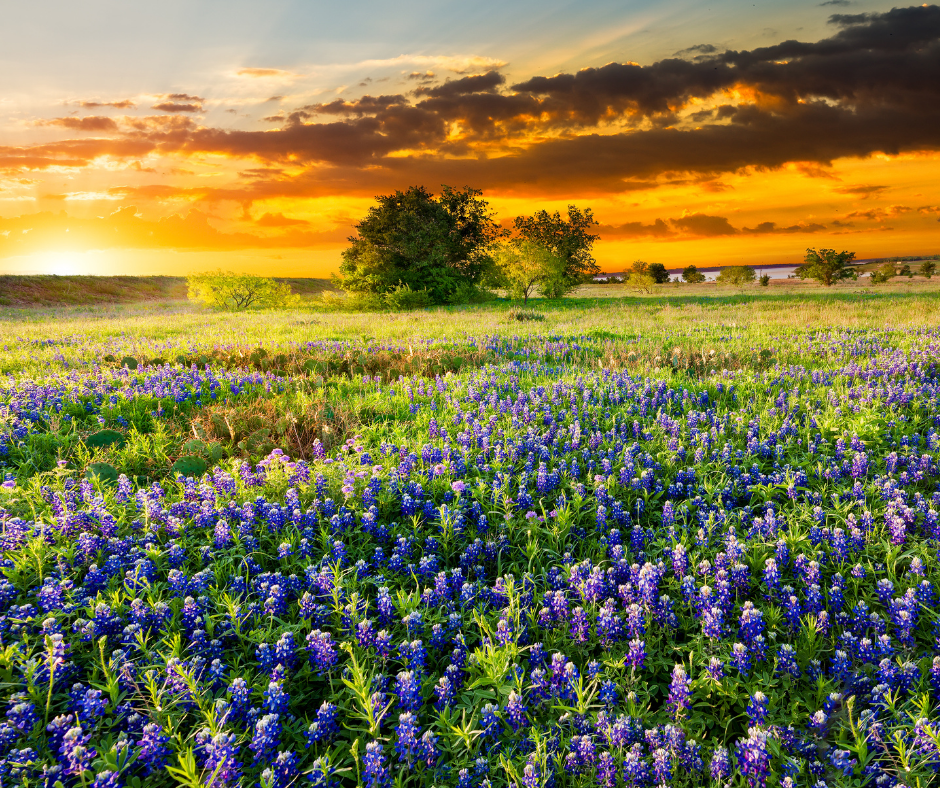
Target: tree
<point>764,280</point>
<point>739,275</point>
<point>239,292</point>
<point>691,274</point>
<point>425,243</point>
<point>567,239</point>
<point>524,266</point>
<point>827,266</point>
<point>928,268</point>
<point>659,273</point>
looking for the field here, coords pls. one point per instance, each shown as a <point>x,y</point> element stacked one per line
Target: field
<point>680,539</point>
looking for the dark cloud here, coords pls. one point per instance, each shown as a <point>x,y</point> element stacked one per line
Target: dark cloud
<point>768,228</point>
<point>477,83</point>
<point>658,229</point>
<point>367,105</point>
<point>871,87</point>
<point>835,2</point>
<point>88,123</point>
<point>697,50</point>
<point>702,224</point>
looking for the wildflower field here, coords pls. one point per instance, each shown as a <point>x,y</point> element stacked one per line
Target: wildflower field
<point>639,542</point>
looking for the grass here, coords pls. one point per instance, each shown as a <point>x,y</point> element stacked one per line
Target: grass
<point>81,291</point>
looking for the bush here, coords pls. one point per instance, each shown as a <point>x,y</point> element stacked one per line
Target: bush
<point>764,280</point>
<point>928,268</point>
<point>739,275</point>
<point>524,315</point>
<point>239,292</point>
<point>404,299</point>
<point>692,275</point>
<point>642,283</point>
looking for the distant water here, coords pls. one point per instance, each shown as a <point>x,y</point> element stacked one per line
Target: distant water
<point>711,272</point>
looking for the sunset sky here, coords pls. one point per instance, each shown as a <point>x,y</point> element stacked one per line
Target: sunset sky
<point>188,135</point>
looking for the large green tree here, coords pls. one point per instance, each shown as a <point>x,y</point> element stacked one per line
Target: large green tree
<point>414,239</point>
<point>568,239</point>
<point>827,266</point>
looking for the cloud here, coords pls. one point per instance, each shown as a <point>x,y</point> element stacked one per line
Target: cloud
<point>88,123</point>
<point>871,87</point>
<point>267,73</point>
<point>704,225</point>
<point>478,83</point>
<point>458,64</point>
<point>835,2</point>
<point>174,106</point>
<point>279,220</point>
<point>768,228</point>
<point>124,104</point>
<point>658,229</point>
<point>880,214</point>
<point>179,102</point>
<point>697,50</point>
<point>864,191</point>
<point>125,228</point>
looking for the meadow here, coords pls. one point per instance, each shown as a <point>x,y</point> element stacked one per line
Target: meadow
<point>687,538</point>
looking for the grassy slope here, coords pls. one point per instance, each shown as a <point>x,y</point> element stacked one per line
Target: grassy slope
<point>47,290</point>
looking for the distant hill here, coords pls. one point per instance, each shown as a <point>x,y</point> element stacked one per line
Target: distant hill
<point>50,290</point>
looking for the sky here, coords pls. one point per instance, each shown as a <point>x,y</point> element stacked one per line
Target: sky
<point>251,136</point>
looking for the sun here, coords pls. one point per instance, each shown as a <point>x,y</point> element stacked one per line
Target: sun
<point>61,263</point>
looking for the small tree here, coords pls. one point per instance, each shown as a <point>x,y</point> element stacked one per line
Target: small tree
<point>239,292</point>
<point>885,272</point>
<point>764,280</point>
<point>525,266</point>
<point>569,240</point>
<point>827,266</point>
<point>739,275</point>
<point>658,272</point>
<point>928,268</point>
<point>642,283</point>
<point>691,274</point>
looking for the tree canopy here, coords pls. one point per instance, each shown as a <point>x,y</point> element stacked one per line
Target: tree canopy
<point>568,239</point>
<point>525,266</point>
<point>827,266</point>
<point>416,240</point>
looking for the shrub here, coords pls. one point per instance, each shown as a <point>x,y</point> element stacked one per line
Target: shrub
<point>691,274</point>
<point>403,299</point>
<point>525,315</point>
<point>642,283</point>
<point>928,268</point>
<point>764,280</point>
<point>739,275</point>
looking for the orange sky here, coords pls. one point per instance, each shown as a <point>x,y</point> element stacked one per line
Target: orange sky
<point>711,154</point>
